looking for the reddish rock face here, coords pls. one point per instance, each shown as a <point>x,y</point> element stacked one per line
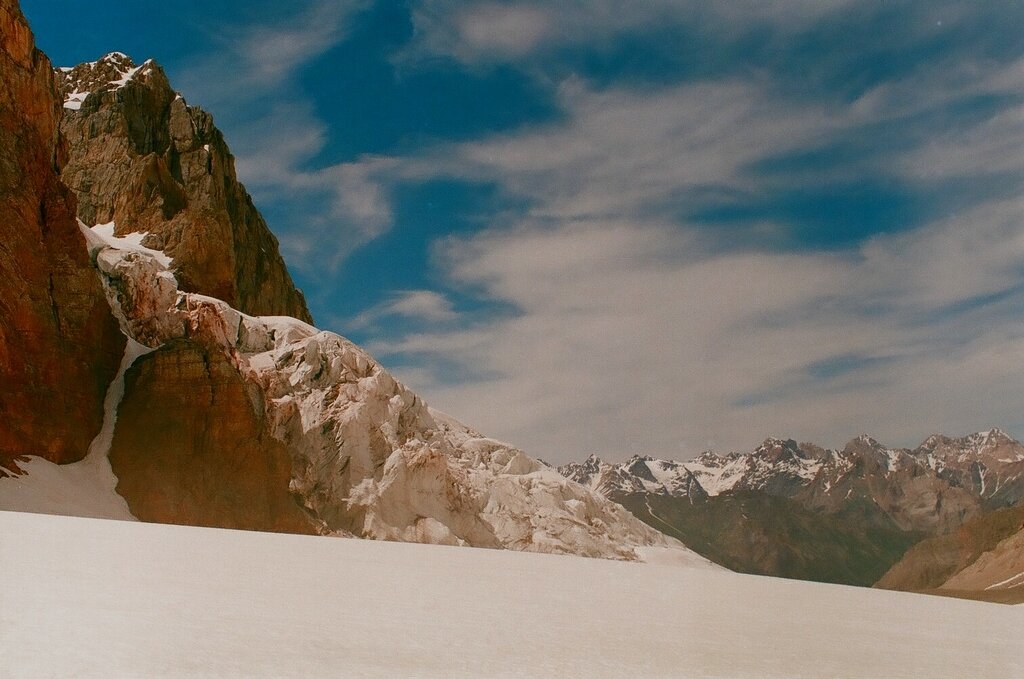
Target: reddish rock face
<point>191,447</point>
<point>138,155</point>
<point>59,343</point>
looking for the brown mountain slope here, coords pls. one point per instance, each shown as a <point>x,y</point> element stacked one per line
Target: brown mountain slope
<point>753,532</point>
<point>59,343</point>
<point>932,563</point>
<point>139,156</point>
<point>997,574</point>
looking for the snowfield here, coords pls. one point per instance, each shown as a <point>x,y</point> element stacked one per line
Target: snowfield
<point>95,598</point>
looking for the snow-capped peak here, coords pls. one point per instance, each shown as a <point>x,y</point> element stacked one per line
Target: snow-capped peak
<point>640,473</point>
<point>989,462</point>
<point>110,72</point>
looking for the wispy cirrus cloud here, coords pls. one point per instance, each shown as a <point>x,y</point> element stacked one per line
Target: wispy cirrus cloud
<point>253,82</point>
<point>425,306</point>
<point>254,61</point>
<point>618,348</point>
<point>683,266</point>
<point>641,327</point>
<point>491,32</point>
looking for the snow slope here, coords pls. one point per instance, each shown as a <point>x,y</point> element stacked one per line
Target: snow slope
<point>93,598</point>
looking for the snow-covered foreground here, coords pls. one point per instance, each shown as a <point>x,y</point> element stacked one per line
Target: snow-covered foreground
<point>95,598</point>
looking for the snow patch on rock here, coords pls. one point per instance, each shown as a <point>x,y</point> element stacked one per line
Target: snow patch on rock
<point>116,68</point>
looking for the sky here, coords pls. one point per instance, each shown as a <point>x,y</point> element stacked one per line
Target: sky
<point>616,227</point>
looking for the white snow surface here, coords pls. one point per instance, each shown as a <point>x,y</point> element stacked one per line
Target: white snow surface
<point>102,235</point>
<point>74,100</point>
<point>91,598</point>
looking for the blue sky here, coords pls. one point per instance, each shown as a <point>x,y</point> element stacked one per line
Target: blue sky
<point>622,227</point>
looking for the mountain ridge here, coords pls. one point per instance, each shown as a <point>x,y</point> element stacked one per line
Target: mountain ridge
<point>780,465</point>
<point>844,515</point>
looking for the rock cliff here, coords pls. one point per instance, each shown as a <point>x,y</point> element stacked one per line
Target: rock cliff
<point>140,157</point>
<point>59,344</point>
<point>191,449</point>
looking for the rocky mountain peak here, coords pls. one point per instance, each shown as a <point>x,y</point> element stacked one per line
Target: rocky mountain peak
<point>109,72</point>
<point>708,457</point>
<point>638,466</point>
<point>776,449</point>
<point>140,157</point>
<point>971,446</point>
<point>933,442</point>
<point>864,441</point>
<point>989,463</point>
<point>866,447</point>
<point>990,438</point>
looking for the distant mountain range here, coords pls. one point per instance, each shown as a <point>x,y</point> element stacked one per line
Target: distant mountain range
<point>802,511</point>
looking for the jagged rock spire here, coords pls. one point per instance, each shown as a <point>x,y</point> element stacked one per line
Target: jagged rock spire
<point>139,156</point>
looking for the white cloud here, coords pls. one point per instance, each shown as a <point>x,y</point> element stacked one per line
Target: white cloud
<point>992,147</point>
<point>253,62</point>
<point>508,30</point>
<point>500,30</point>
<point>617,349</point>
<point>637,333</point>
<point>422,305</point>
<point>358,195</point>
<point>488,32</point>
<point>625,151</point>
<point>272,54</point>
<point>272,144</point>
<point>252,83</point>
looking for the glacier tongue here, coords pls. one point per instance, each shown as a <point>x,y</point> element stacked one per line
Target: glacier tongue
<point>369,458</point>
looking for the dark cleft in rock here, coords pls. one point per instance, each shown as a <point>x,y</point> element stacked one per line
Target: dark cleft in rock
<point>59,343</point>
<point>139,156</point>
<point>191,447</point>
